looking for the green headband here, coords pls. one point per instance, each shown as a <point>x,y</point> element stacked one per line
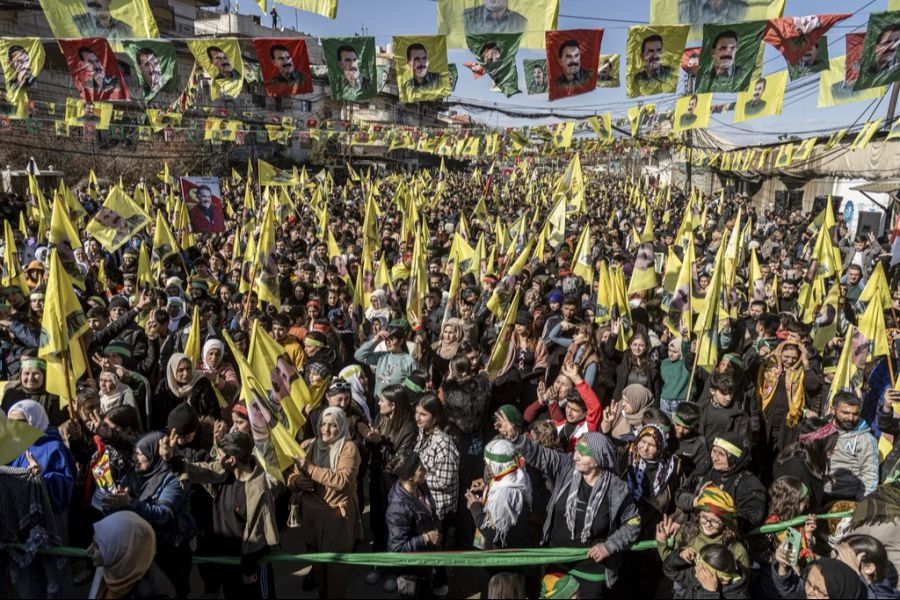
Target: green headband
<point>34,363</point>
<point>679,421</point>
<point>313,342</point>
<point>584,449</point>
<point>499,458</point>
<point>412,385</point>
<point>728,447</point>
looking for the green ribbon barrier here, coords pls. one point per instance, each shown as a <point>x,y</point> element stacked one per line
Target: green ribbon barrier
<point>469,558</point>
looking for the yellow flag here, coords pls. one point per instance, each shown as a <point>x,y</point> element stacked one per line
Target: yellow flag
<point>847,377</point>
<point>192,345</point>
<point>270,363</point>
<point>266,273</point>
<point>271,175</point>
<point>62,322</point>
<point>65,239</point>
<point>223,62</point>
<point>826,318</point>
<point>835,90</point>
<point>707,325</point>
<point>12,268</point>
<point>164,244</point>
<point>620,308</point>
<point>872,327</point>
<point>501,347</point>
<point>877,289</point>
<point>326,8</point>
<point>764,98</point>
<point>582,264</point>
<point>866,134</point>
<point>117,220</point>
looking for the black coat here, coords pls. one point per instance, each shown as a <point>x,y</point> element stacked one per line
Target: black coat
<point>202,399</point>
<point>408,518</point>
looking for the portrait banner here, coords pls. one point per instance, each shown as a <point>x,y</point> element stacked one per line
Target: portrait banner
<point>326,8</point>
<point>13,111</point>
<point>218,130</point>
<point>814,60</point>
<point>729,56</point>
<point>22,60</point>
<point>692,112</point>
<point>653,57</point>
<point>422,70</point>
<point>854,45</point>
<point>203,200</point>
<point>699,13</point>
<point>690,60</point>
<point>835,90</point>
<point>155,65</point>
<point>161,120</point>
<point>608,73</point>
<point>795,36</point>
<point>602,126</point>
<point>535,75</point>
<point>117,220</point>
<point>573,56</point>
<point>284,65</point>
<point>454,77</point>
<point>94,68</point>
<point>459,18</point>
<point>113,20</point>
<point>496,53</point>
<point>640,116</point>
<point>351,67</point>
<point>80,113</point>
<point>880,63</point>
<point>222,60</point>
<point>764,99</point>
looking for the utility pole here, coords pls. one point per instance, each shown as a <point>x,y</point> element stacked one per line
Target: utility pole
<point>892,104</point>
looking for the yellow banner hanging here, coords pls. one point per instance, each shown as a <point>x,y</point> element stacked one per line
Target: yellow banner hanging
<point>422,70</point>
<point>326,8</point>
<point>700,12</point>
<point>834,90</point>
<point>114,20</point>
<point>654,59</point>
<point>532,18</point>
<point>22,60</point>
<point>692,112</point>
<point>763,99</point>
<point>223,62</point>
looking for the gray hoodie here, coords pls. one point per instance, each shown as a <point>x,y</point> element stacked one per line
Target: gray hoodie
<point>854,464</point>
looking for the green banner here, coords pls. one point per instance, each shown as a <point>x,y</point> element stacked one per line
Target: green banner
<point>814,60</point>
<point>535,75</point>
<point>454,76</point>
<point>351,67</point>
<point>496,52</point>
<point>729,55</point>
<point>880,64</point>
<point>154,62</point>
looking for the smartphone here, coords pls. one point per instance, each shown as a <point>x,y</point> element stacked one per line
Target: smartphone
<point>793,541</point>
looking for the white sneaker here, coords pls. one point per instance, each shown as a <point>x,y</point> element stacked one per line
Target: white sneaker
<point>372,577</point>
<point>441,590</point>
<point>390,585</point>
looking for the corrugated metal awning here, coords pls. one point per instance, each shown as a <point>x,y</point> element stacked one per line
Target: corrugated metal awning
<point>879,187</point>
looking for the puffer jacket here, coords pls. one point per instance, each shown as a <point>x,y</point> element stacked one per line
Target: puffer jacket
<point>408,518</point>
<point>854,464</point>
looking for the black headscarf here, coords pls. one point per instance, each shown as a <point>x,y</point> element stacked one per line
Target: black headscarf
<point>841,581</point>
<point>145,484</point>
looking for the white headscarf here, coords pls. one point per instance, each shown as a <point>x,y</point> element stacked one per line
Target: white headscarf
<point>327,455</point>
<point>209,345</point>
<point>122,395</point>
<point>351,375</point>
<point>509,494</point>
<point>385,308</point>
<point>34,413</point>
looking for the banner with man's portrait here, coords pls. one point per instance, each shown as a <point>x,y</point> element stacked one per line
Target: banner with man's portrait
<point>763,99</point>
<point>284,65</point>
<point>653,55</point>
<point>835,90</point>
<point>814,60</point>
<point>454,76</point>
<point>222,60</point>
<point>699,13</point>
<point>351,67</point>
<point>155,65</point>
<point>795,36</point>
<point>853,43</point>
<point>203,200</point>
<point>692,112</point>
<point>160,120</point>
<point>218,130</point>
<point>459,18</point>
<point>608,71</point>
<point>422,70</point>
<point>113,20</point>
<point>94,68</point>
<point>22,60</point>
<point>13,111</point>
<point>729,56</point>
<point>535,75</point>
<point>602,126</point>
<point>880,63</point>
<point>573,56</point>
<point>95,115</point>
<point>496,53</point>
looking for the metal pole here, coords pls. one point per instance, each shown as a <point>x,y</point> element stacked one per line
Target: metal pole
<point>892,105</point>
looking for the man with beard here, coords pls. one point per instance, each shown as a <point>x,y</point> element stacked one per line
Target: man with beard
<point>422,79</point>
<point>690,116</point>
<point>787,299</point>
<point>809,63</point>
<point>725,73</point>
<point>569,57</point>
<point>21,66</point>
<point>287,74</point>
<point>854,462</point>
<point>653,74</point>
<point>99,22</point>
<point>354,83</point>
<point>206,215</point>
<point>711,11</point>
<point>886,59</point>
<point>151,72</point>
<point>96,82</point>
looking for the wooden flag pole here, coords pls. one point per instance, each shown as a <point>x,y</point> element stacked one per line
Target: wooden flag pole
<point>65,361</point>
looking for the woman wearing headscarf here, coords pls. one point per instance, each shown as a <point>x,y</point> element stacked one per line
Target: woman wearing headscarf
<point>326,476</point>
<point>825,578</point>
<point>113,392</point>
<point>590,507</point>
<point>183,383</point>
<point>158,496</point>
<point>123,547</point>
<point>31,384</point>
<point>359,388</point>
<point>628,414</point>
<point>220,373</point>
<point>452,336</point>
<point>50,459</point>
<point>379,308</point>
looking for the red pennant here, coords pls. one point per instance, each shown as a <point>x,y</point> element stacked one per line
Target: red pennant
<point>794,36</point>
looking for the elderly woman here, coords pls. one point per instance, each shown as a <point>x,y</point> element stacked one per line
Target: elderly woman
<point>326,474</point>
<point>31,385</point>
<point>183,383</point>
<point>113,392</point>
<point>590,507</point>
<point>221,374</point>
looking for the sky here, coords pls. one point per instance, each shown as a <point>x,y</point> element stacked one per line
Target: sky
<point>800,116</point>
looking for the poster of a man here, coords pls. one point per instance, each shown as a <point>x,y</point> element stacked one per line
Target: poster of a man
<point>887,43</point>
<point>90,114</point>
<point>417,59</point>
<point>348,59</point>
<point>99,22</point>
<point>95,80</point>
<point>206,214</point>
<point>569,56</point>
<point>608,72</point>
<point>652,69</point>
<point>540,80</point>
<point>712,11</point>
<point>287,73</point>
<point>151,72</point>
<point>690,115</point>
<point>222,63</point>
<point>814,60</point>
<point>756,104</point>
<point>490,53</point>
<point>494,16</point>
<point>21,65</point>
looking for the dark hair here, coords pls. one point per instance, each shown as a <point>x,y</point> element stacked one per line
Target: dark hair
<point>568,44</point>
<point>430,403</point>
<point>416,46</point>
<point>142,53</point>
<point>277,47</point>
<point>758,303</point>
<point>769,323</point>
<point>573,397</point>
<point>391,426</point>
<point>212,49</point>
<point>785,495</point>
<point>762,80</point>
<point>124,417</point>
<point>652,38</point>
<point>728,33</point>
<point>848,398</point>
<point>281,319</point>
<point>872,550</point>
<point>238,445</point>
<point>691,529</point>
<point>460,364</point>
<point>98,312</point>
<point>814,453</point>
<point>489,46</point>
<point>688,412</point>
<point>722,382</point>
<point>13,49</point>
<point>205,187</point>
<point>345,48</point>
<point>571,301</point>
<point>85,49</point>
<point>719,557</point>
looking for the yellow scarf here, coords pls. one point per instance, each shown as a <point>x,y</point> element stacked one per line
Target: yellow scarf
<point>767,385</point>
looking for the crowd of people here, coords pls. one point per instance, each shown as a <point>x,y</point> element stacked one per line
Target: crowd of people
<point>571,439</point>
